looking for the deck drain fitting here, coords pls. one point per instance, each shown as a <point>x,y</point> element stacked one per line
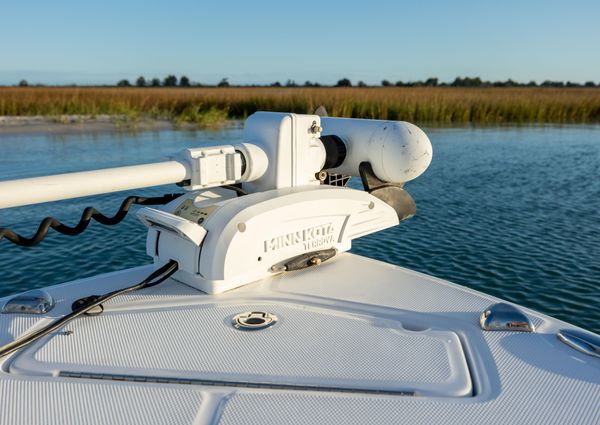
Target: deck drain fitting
<point>253,320</point>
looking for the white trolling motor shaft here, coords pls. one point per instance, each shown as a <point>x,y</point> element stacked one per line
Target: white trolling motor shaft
<point>202,167</point>
<point>37,190</point>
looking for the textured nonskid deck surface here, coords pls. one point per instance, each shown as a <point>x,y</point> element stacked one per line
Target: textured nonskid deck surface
<point>356,341</point>
<point>309,347</point>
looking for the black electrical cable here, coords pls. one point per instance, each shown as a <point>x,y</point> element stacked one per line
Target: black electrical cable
<point>86,217</point>
<point>237,188</point>
<point>161,274</point>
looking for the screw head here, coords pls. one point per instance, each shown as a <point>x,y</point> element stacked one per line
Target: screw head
<point>315,128</point>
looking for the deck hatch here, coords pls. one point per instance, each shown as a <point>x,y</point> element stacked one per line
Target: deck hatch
<point>310,348</point>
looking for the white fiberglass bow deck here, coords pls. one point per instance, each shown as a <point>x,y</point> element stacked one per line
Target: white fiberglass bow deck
<point>254,313</point>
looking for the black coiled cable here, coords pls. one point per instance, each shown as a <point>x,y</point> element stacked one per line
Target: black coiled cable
<point>89,214</point>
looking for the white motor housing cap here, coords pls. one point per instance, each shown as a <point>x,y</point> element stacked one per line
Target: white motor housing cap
<point>398,151</point>
<point>246,238</point>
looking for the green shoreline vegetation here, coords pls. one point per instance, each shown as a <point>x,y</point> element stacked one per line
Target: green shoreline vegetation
<point>466,100</point>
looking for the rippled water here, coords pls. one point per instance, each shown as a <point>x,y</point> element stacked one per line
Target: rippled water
<point>511,211</point>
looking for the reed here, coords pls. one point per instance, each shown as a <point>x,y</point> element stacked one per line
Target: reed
<point>211,106</point>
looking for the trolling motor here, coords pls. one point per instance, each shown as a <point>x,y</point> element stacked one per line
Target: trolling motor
<point>289,208</point>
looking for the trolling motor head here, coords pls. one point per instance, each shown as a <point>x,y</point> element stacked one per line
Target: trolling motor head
<point>295,212</point>
<point>290,217</point>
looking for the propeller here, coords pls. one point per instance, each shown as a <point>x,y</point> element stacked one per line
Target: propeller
<point>392,194</point>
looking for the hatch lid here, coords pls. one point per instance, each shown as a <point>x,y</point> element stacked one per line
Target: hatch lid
<point>306,348</point>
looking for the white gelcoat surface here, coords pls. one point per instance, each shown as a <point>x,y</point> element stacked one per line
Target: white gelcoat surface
<point>516,377</point>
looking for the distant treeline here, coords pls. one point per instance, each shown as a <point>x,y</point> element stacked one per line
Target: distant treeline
<point>184,81</point>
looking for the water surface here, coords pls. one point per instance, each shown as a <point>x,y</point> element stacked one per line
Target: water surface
<point>511,211</point>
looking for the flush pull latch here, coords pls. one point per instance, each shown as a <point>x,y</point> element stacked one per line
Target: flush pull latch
<point>253,320</point>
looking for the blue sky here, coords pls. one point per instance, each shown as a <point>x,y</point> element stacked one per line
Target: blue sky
<point>265,41</point>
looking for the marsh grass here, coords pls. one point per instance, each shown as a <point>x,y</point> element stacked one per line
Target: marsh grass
<point>202,117</point>
<point>209,107</point>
